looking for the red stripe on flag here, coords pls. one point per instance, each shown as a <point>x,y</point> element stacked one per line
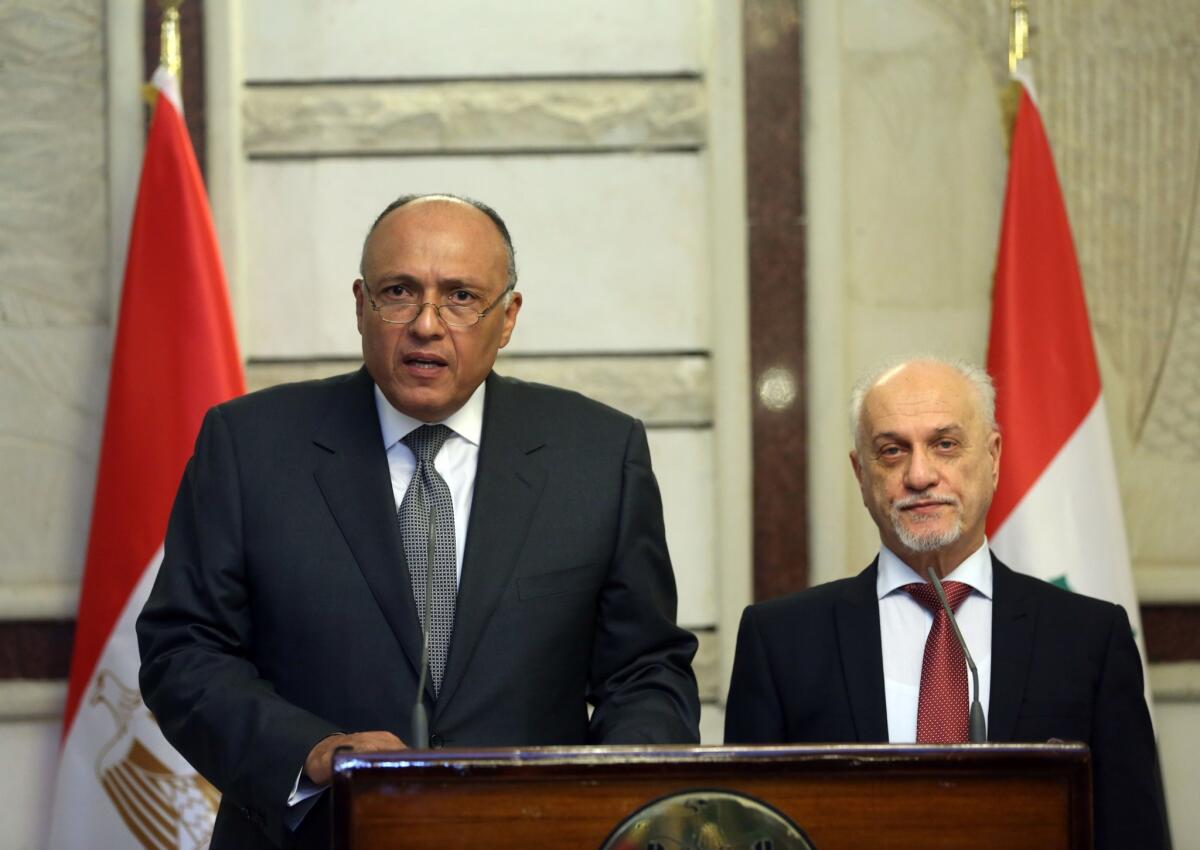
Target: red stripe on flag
<point>175,356</point>
<point>1040,349</point>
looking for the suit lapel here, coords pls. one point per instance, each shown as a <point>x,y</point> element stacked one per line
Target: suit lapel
<point>356,484</point>
<point>1013,619</point>
<point>508,484</point>
<point>857,615</point>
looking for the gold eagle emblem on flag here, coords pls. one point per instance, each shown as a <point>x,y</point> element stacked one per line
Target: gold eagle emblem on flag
<point>164,810</point>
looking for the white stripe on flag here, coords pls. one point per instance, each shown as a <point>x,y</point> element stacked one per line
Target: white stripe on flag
<point>1075,499</point>
<point>111,717</point>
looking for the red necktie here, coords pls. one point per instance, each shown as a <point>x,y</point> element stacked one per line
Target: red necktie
<point>943,705</point>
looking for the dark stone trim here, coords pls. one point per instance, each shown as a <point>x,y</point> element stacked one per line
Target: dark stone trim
<point>36,649</point>
<point>41,649</point>
<point>776,243</point>
<point>1172,632</point>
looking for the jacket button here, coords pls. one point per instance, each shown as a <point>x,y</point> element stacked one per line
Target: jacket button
<point>435,741</point>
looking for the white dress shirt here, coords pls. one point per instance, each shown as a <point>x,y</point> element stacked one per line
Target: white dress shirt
<point>904,624</point>
<point>456,462</point>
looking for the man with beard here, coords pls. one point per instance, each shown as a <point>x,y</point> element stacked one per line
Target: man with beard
<point>873,658</point>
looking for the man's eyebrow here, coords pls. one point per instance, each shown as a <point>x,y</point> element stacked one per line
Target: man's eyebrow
<point>941,431</point>
<point>397,278</point>
<point>948,430</point>
<point>451,282</point>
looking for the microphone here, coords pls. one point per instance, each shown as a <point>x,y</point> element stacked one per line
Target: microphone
<point>420,719</point>
<point>977,726</point>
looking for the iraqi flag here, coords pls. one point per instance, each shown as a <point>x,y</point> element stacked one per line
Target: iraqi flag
<point>119,784</point>
<point>1057,511</point>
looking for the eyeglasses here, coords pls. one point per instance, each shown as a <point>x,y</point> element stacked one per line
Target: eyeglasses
<point>402,307</point>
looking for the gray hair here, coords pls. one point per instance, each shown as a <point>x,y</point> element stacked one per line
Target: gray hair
<point>977,377</point>
<point>403,200</point>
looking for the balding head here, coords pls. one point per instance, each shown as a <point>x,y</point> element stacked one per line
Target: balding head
<point>406,200</point>
<point>979,381</point>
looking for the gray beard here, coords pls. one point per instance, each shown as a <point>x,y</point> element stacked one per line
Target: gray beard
<point>929,541</point>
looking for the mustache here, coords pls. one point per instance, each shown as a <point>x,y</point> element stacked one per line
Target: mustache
<point>926,499</point>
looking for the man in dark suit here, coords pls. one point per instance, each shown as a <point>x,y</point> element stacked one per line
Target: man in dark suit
<point>287,617</point>
<point>861,659</point>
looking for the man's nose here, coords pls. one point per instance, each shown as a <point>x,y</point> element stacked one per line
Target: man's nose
<point>921,473</point>
<point>427,323</point>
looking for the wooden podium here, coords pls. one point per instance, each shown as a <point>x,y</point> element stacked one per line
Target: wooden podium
<point>979,796</point>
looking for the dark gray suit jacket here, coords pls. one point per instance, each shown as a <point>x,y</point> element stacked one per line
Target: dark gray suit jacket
<point>808,669</point>
<point>283,611</point>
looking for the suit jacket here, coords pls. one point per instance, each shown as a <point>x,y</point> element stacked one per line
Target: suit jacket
<point>808,669</point>
<point>283,610</point>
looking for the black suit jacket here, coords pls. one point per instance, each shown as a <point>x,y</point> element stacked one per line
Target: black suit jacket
<point>808,669</point>
<point>283,610</point>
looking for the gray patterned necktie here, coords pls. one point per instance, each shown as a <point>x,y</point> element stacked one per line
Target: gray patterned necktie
<point>426,489</point>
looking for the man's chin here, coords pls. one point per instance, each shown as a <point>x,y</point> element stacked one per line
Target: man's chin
<point>425,403</point>
<point>927,539</point>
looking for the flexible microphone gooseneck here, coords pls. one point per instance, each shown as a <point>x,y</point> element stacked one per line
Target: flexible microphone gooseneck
<point>420,719</point>
<point>977,727</point>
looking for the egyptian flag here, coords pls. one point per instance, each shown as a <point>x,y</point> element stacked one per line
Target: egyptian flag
<point>1057,511</point>
<point>119,784</point>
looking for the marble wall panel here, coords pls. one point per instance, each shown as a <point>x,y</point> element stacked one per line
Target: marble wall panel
<point>54,382</point>
<point>53,224</point>
<point>712,724</point>
<point>1120,93</point>
<point>54,299</point>
<point>923,145</point>
<point>612,248</point>
<point>683,464</point>
<point>374,39</point>
<point>31,752</point>
<point>662,391</point>
<point>1179,751</point>
<point>493,115</point>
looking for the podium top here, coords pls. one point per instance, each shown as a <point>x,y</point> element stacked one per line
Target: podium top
<point>839,796</point>
<point>853,755</point>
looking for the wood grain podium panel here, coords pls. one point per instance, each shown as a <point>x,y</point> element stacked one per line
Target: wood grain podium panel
<point>985,796</point>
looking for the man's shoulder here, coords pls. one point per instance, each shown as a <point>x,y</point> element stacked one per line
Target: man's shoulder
<point>1066,605</point>
<point>295,407</point>
<point>545,402</point>
<point>815,600</point>
<point>296,394</point>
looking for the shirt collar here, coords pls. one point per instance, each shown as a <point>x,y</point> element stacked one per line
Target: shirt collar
<point>466,422</point>
<point>976,571</point>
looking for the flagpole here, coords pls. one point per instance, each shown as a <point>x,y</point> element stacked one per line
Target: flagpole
<point>170,53</point>
<point>1018,34</point>
<point>1018,72</point>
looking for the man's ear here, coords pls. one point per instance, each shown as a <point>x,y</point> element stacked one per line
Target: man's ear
<point>856,466</point>
<point>510,317</point>
<point>359,302</point>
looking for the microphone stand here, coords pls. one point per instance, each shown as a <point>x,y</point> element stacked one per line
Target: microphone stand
<point>977,727</point>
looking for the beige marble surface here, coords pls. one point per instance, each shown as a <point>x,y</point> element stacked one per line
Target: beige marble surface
<point>54,299</point>
<point>466,116</point>
<point>407,39</point>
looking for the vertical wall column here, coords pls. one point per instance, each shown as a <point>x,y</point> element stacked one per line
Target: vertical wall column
<point>776,230</point>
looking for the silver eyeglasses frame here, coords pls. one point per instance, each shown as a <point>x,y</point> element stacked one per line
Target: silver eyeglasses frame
<point>449,320</point>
